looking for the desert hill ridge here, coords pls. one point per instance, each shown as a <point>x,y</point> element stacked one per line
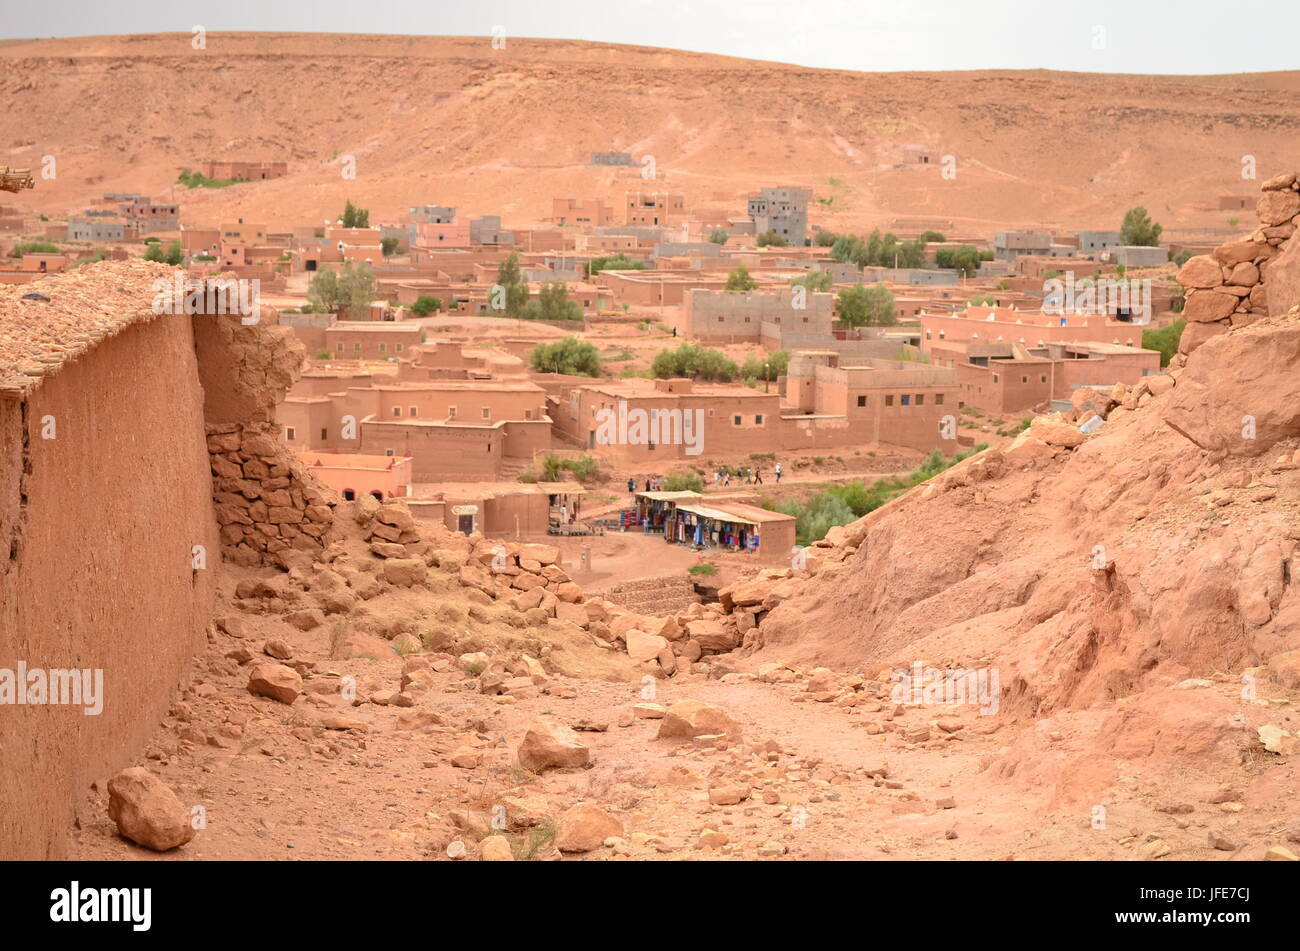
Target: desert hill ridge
<point>452,121</point>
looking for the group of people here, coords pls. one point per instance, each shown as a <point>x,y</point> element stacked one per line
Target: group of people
<point>652,484</point>
<point>750,476</point>
<point>722,477</point>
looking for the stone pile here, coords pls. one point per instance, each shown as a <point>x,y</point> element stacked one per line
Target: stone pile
<point>1232,286</point>
<point>266,502</point>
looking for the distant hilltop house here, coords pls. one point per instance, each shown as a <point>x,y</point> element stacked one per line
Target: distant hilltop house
<point>245,171</point>
<point>914,155</point>
<point>611,158</point>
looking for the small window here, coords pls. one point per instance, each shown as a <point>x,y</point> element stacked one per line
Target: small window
<point>382,347</point>
<point>398,348</point>
<point>920,399</point>
<point>388,452</point>
<point>1024,379</point>
<point>324,433</point>
<point>487,412</point>
<point>736,420</point>
<point>528,414</point>
<point>907,399</point>
<point>758,420</point>
<point>410,411</point>
<point>397,411</point>
<point>290,433</point>
<point>356,347</point>
<point>938,399</point>
<point>996,378</point>
<point>862,401</point>
<point>1043,378</point>
<point>889,399</point>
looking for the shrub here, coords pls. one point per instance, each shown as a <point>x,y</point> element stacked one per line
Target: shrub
<point>570,356</point>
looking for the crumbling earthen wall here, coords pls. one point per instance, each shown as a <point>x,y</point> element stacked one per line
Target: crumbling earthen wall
<point>97,571</point>
<point>266,500</point>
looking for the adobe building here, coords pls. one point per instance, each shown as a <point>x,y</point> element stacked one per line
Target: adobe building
<point>825,404</point>
<point>782,210</point>
<point>462,430</point>
<point>581,211</point>
<point>245,171</point>
<point>720,317</point>
<point>123,437</point>
<point>516,510</point>
<point>1007,377</point>
<point>1027,328</point>
<point>352,475</point>
<point>149,216</point>
<point>656,209</point>
<point>369,339</point>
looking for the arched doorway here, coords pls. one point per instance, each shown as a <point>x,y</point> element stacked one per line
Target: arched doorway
<point>377,494</point>
<point>349,495</point>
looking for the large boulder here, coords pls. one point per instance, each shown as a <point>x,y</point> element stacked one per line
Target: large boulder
<point>147,811</point>
<point>1282,280</point>
<point>686,719</point>
<point>1240,392</point>
<point>549,744</point>
<point>585,827</point>
<point>275,681</point>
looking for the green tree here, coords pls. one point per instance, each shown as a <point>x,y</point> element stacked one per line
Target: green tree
<point>351,287</point>
<point>771,239</point>
<point>515,290</point>
<point>929,236</point>
<point>863,306</point>
<point>154,252</point>
<point>553,304</point>
<point>173,255</point>
<point>739,280</point>
<point>389,245</point>
<point>1139,229</point>
<point>767,368</point>
<point>354,217</point>
<point>814,280</point>
<point>964,260</point>
<point>569,356</point>
<point>1165,340</point>
<point>425,305</point>
<point>683,482</point>
<point>694,361</point>
<point>825,239</point>
<point>616,262</point>
<point>719,235</point>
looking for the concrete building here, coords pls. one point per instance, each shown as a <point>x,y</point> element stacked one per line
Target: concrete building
<point>1095,242</point>
<point>1137,256</point>
<point>782,210</point>
<point>1009,245</point>
<point>488,230</point>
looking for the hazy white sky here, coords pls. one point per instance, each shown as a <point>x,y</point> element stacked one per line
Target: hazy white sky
<point>1129,36</point>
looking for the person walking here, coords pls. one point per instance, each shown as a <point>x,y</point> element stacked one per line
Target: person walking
<point>758,476</point>
<point>778,473</point>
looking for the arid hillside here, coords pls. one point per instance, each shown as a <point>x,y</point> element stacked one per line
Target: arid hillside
<point>453,121</point>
